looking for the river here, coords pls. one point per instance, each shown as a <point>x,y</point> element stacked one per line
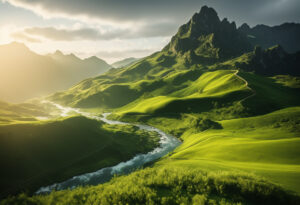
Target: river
<point>167,143</point>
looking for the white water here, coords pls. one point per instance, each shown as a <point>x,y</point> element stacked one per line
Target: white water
<point>167,144</point>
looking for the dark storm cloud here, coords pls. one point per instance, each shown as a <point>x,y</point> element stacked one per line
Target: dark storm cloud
<point>174,11</point>
<point>269,12</point>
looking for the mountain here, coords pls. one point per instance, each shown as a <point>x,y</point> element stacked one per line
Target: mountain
<point>205,36</point>
<point>286,35</point>
<point>125,62</point>
<point>269,62</point>
<point>25,74</point>
<point>204,44</point>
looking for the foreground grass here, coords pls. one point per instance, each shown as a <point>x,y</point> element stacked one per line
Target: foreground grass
<point>267,145</point>
<point>42,153</point>
<point>167,185</point>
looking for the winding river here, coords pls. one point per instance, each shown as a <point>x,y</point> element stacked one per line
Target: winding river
<point>167,144</point>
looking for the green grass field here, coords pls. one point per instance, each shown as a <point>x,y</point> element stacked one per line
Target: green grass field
<point>266,145</point>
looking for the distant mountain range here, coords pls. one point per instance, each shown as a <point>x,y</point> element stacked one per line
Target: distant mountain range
<point>124,62</point>
<point>286,35</point>
<point>25,74</point>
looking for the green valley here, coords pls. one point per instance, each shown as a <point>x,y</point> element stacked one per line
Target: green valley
<point>234,106</point>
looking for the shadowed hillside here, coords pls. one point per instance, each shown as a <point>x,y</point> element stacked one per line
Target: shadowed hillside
<point>286,35</point>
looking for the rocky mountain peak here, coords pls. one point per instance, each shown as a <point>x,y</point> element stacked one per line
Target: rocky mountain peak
<point>208,37</point>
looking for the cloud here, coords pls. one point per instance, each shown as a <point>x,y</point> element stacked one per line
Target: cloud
<point>69,34</point>
<point>110,10</point>
<point>23,37</point>
<point>56,34</point>
<point>155,11</point>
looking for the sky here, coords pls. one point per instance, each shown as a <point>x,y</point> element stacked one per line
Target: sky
<point>116,29</point>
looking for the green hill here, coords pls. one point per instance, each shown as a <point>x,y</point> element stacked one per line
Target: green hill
<point>36,154</point>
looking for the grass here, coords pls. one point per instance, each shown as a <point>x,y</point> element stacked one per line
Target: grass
<point>267,145</point>
<point>165,185</point>
<point>202,94</point>
<point>288,80</point>
<point>38,153</point>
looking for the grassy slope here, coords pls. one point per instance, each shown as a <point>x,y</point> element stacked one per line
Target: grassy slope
<point>119,87</point>
<point>195,96</point>
<point>40,153</point>
<point>267,145</point>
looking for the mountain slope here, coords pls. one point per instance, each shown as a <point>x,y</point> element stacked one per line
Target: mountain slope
<point>25,74</point>
<point>268,62</point>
